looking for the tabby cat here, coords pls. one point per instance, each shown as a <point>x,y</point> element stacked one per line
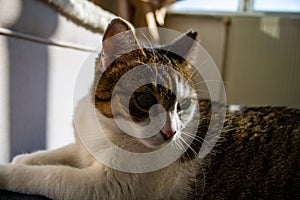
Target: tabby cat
<point>256,157</point>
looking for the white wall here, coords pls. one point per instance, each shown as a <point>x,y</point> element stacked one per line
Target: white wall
<point>66,65</point>
<point>43,75</point>
<point>4,116</point>
<point>263,63</point>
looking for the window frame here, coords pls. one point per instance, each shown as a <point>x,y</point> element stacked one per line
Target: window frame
<point>245,8</point>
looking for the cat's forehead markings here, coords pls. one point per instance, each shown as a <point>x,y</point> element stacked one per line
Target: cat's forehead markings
<point>163,57</point>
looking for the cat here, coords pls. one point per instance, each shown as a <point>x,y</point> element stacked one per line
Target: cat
<point>73,171</point>
<point>256,156</point>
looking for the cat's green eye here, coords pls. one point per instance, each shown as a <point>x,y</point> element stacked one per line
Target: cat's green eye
<point>145,100</point>
<point>184,104</point>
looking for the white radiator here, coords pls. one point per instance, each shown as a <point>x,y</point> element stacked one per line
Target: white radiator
<point>263,61</point>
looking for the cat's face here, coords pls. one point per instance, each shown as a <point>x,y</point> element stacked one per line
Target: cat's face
<point>131,99</point>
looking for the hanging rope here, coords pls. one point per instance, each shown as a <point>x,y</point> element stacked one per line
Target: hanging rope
<point>83,13</point>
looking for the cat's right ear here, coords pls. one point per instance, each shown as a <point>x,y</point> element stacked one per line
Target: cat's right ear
<point>183,45</point>
<point>118,39</point>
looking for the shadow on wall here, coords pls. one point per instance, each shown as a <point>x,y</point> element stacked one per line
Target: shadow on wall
<point>28,72</point>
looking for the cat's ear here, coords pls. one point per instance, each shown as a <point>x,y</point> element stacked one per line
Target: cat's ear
<point>118,39</point>
<point>182,45</point>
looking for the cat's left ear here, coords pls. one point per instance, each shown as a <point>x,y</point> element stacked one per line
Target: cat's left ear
<point>182,45</point>
<point>118,39</point>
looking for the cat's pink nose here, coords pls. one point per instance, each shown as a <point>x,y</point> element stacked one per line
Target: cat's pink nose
<point>168,134</point>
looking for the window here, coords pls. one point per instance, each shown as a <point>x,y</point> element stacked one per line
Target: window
<point>277,5</point>
<point>207,5</point>
<point>240,6</point>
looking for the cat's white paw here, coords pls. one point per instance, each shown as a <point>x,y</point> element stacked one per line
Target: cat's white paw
<point>25,159</point>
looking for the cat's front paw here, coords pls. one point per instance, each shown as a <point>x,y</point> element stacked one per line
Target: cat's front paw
<point>25,159</point>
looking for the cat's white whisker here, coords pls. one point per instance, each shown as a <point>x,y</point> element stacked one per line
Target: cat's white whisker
<point>204,82</point>
<point>153,52</point>
<point>196,76</point>
<point>194,72</point>
<point>180,143</point>
<point>187,145</point>
<point>195,137</point>
<point>176,145</point>
<point>150,43</point>
<point>151,68</point>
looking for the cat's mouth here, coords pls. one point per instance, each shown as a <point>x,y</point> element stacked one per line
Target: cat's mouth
<point>159,140</point>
